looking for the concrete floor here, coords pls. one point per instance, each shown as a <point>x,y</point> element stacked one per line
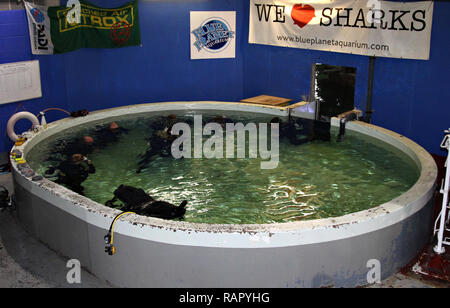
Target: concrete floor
<point>28,263</point>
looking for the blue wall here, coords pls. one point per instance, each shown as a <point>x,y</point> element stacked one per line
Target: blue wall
<point>410,96</point>
<point>160,70</point>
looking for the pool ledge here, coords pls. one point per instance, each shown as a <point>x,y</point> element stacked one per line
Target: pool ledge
<point>217,235</point>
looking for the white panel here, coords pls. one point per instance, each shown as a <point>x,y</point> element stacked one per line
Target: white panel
<point>19,81</point>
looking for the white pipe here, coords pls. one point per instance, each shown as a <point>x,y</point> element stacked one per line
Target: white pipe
<point>43,120</point>
<point>16,117</point>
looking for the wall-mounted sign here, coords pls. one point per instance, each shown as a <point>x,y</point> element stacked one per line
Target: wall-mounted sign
<point>213,35</point>
<point>19,81</point>
<point>364,27</point>
<point>53,30</point>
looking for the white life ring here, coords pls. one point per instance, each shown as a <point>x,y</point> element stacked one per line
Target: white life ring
<point>16,117</point>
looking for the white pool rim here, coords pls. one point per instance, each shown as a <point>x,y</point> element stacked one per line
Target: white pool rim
<point>233,235</point>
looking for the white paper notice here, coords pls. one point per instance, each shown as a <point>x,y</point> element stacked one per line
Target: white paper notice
<point>19,81</point>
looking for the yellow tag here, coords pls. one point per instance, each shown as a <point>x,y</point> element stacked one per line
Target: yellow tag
<point>20,141</point>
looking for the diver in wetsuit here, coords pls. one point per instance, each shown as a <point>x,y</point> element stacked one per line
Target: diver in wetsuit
<point>73,172</point>
<point>162,123</point>
<point>162,138</point>
<point>67,148</point>
<point>87,144</point>
<point>63,150</point>
<point>139,202</point>
<point>160,144</point>
<point>160,141</point>
<point>84,146</point>
<point>107,135</point>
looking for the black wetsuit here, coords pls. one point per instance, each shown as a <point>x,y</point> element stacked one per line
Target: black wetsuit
<point>67,148</point>
<point>162,123</point>
<point>73,174</point>
<point>63,151</point>
<point>130,197</point>
<point>160,144</point>
<point>139,202</point>
<point>105,136</point>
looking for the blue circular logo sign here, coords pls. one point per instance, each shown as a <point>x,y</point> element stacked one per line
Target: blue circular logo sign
<point>37,15</point>
<point>213,35</point>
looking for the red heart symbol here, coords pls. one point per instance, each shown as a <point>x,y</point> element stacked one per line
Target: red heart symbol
<point>302,14</point>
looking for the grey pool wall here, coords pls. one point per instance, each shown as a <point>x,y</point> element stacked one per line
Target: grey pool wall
<point>158,253</point>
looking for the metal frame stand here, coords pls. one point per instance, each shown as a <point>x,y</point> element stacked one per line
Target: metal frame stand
<point>442,218</point>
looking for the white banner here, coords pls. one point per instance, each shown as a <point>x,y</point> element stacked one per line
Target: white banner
<point>213,35</point>
<point>364,27</point>
<point>39,27</point>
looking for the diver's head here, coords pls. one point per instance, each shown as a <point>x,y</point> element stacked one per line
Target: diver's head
<point>77,158</point>
<point>113,126</point>
<point>88,140</point>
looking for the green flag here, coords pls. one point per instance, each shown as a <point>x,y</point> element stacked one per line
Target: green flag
<point>52,31</point>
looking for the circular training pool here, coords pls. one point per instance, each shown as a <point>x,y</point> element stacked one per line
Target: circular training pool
<point>317,217</point>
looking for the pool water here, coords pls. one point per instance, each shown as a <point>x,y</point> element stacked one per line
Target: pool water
<point>318,179</point>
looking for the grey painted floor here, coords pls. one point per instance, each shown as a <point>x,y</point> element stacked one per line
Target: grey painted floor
<point>27,263</point>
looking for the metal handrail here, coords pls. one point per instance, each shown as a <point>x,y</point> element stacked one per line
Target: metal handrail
<point>442,217</point>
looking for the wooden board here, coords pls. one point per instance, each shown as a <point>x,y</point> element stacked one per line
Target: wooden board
<point>268,100</point>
